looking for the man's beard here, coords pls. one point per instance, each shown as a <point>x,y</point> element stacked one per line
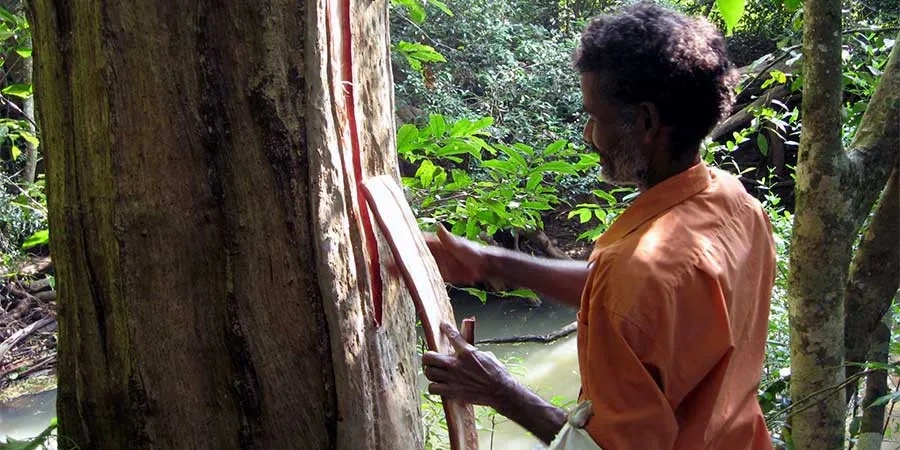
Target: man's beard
<point>624,164</point>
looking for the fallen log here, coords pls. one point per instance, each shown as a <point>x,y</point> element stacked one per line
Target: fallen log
<point>739,119</point>
<point>18,336</point>
<point>543,338</point>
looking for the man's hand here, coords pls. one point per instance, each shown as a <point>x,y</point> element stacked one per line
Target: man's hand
<point>476,377</point>
<point>469,375</point>
<point>460,260</point>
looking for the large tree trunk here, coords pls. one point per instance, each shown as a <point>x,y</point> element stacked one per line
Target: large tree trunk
<point>211,264</point>
<point>834,191</point>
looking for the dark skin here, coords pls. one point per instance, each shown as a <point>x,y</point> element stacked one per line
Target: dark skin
<point>477,377</point>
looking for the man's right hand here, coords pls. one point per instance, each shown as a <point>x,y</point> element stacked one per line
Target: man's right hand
<point>460,260</point>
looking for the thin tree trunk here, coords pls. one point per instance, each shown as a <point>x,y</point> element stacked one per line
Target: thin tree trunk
<point>872,425</point>
<point>874,277</point>
<point>209,253</point>
<point>834,194</point>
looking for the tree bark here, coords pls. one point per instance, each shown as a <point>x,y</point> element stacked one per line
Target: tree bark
<point>871,427</point>
<point>874,277</point>
<point>209,253</point>
<point>834,192</point>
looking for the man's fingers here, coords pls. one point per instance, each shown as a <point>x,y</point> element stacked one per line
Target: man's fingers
<point>458,341</point>
<point>437,360</point>
<point>437,374</point>
<point>444,390</point>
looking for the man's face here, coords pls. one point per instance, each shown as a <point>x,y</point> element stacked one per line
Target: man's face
<point>611,131</point>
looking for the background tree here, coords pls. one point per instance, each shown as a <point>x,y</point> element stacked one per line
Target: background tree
<point>213,285</point>
<point>835,192</point>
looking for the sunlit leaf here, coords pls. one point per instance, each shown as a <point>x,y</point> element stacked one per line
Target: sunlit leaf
<point>38,238</point>
<point>763,144</point>
<point>731,11</point>
<point>18,90</point>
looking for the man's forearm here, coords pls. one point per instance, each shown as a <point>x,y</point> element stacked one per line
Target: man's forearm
<point>561,280</point>
<point>533,413</point>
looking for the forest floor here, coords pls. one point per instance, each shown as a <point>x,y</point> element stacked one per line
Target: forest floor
<point>28,329</point>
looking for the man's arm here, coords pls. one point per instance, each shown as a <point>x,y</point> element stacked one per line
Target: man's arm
<point>477,378</point>
<point>462,261</point>
<point>561,280</point>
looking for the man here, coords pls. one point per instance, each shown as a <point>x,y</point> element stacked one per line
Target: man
<point>674,300</point>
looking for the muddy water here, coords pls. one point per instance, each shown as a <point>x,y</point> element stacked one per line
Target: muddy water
<point>551,370</point>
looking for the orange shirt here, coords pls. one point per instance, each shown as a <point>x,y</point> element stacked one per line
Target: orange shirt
<point>673,319</point>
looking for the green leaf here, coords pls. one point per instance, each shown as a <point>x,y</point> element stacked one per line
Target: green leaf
<point>514,156</point>
<point>18,90</point>
<point>461,128</point>
<point>555,147</point>
<point>29,137</point>
<point>539,206</point>
<point>407,136</point>
<point>763,144</point>
<point>38,238</point>
<point>534,180</point>
<point>481,124</point>
<point>441,6</point>
<point>524,293</point>
<point>437,125</point>
<point>24,52</point>
<point>524,149</point>
<point>480,294</point>
<point>555,166</point>
<point>885,399</point>
<point>792,5</point>
<point>584,215</point>
<point>425,173</point>
<point>15,152</point>
<point>8,16</point>
<point>731,11</point>
<point>497,164</point>
<point>416,11</point>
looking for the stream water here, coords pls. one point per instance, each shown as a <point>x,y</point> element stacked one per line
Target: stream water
<point>549,369</point>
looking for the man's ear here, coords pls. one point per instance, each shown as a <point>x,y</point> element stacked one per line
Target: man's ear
<point>647,120</point>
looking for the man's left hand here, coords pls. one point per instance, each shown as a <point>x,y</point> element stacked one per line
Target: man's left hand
<point>469,375</point>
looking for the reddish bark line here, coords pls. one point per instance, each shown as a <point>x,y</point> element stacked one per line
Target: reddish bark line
<point>375,282</point>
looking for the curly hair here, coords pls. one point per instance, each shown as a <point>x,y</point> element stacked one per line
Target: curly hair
<point>649,53</point>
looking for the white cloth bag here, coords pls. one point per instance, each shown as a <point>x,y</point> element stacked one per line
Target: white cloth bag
<point>572,435</point>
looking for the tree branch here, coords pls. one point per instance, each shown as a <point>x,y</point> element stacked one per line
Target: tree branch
<point>873,153</point>
<point>544,338</point>
<point>874,275</point>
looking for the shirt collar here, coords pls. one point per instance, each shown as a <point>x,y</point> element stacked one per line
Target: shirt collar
<point>656,200</point>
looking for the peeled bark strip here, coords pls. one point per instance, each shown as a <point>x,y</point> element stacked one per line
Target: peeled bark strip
<point>834,192</point>
<point>203,232</point>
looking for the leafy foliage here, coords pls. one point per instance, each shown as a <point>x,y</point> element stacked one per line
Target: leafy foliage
<point>478,186</point>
